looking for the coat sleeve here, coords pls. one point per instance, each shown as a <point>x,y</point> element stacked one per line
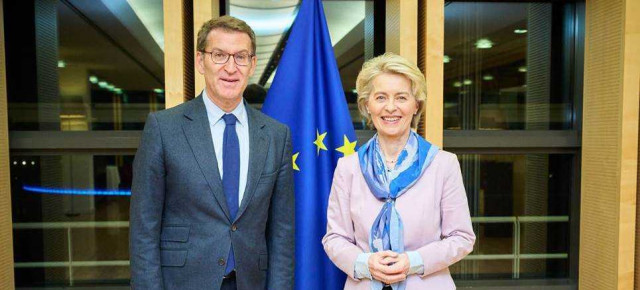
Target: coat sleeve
<point>339,241</point>
<point>147,200</point>
<point>281,225</point>
<point>457,233</point>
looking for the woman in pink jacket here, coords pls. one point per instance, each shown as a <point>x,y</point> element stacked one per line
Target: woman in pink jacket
<point>398,214</point>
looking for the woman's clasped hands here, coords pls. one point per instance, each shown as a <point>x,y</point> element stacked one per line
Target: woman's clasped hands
<point>389,267</point>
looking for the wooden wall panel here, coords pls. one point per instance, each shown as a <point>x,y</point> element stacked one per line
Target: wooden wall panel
<point>173,62</point>
<point>402,28</point>
<point>6,228</point>
<point>178,51</point>
<point>203,11</point>
<point>431,63</point>
<point>636,276</point>
<point>609,145</point>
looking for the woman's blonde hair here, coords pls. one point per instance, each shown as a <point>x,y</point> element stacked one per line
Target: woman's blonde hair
<point>393,64</point>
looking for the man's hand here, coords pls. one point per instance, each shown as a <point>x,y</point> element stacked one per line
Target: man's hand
<point>389,267</point>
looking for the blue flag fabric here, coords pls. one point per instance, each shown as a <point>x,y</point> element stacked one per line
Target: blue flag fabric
<point>307,95</point>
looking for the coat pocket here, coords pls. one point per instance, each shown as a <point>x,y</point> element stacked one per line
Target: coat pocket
<point>173,258</point>
<point>175,234</point>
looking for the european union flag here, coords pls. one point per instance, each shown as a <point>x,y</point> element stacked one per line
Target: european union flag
<point>307,95</point>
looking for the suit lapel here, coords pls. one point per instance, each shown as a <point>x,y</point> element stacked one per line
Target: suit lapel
<point>258,149</point>
<point>196,129</point>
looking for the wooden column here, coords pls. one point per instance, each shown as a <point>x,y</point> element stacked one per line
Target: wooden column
<point>203,11</point>
<point>401,33</point>
<point>178,51</point>
<point>431,63</point>
<point>6,228</point>
<point>609,144</point>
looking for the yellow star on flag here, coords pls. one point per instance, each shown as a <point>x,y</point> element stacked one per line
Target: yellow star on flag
<point>320,141</point>
<point>294,157</point>
<point>348,148</point>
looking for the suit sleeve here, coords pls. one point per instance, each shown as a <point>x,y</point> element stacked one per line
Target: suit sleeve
<point>339,242</point>
<point>457,233</point>
<point>281,225</point>
<point>147,200</point>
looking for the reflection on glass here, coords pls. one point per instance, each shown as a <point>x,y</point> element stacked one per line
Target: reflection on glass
<point>520,208</point>
<point>74,231</point>
<point>82,65</point>
<point>507,66</point>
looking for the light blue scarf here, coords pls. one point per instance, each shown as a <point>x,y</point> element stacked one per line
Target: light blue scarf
<point>387,231</point>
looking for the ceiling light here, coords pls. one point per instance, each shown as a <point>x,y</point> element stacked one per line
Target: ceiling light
<point>487,77</point>
<point>520,31</point>
<point>446,59</point>
<point>275,22</point>
<point>457,84</point>
<point>93,79</point>
<point>111,87</point>
<point>467,82</point>
<point>158,91</point>
<point>117,90</point>
<point>103,84</point>
<point>62,64</point>
<point>484,43</point>
<point>522,69</point>
<point>72,116</point>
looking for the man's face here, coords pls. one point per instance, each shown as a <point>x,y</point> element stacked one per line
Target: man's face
<point>226,82</point>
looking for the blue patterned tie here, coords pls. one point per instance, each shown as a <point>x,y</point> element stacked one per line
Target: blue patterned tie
<point>231,174</point>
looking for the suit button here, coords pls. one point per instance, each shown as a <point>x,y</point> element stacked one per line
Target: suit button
<point>221,262</point>
<point>234,228</point>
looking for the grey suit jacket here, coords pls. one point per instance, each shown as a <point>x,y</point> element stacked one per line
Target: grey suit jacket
<point>181,232</point>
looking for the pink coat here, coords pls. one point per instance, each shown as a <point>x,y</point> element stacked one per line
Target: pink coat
<point>434,212</point>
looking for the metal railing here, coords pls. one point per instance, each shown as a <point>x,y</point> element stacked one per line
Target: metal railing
<point>516,255</point>
<point>70,263</point>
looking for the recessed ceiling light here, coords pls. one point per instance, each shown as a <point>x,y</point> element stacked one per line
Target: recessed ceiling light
<point>467,82</point>
<point>457,84</point>
<point>487,77</point>
<point>158,91</point>
<point>103,84</point>
<point>484,43</point>
<point>93,79</point>
<point>520,31</point>
<point>62,64</point>
<point>268,23</point>
<point>522,69</point>
<point>446,59</point>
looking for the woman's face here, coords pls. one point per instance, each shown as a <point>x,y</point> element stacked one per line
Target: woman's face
<point>392,105</point>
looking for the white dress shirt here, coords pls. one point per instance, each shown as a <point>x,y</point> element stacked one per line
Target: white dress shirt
<point>217,126</point>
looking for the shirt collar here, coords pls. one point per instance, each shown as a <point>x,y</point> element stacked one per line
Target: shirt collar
<point>215,113</point>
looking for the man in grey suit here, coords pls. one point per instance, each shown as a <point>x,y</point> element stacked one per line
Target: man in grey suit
<point>212,203</point>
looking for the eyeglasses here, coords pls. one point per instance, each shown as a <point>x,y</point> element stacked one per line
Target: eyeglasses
<point>242,58</point>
